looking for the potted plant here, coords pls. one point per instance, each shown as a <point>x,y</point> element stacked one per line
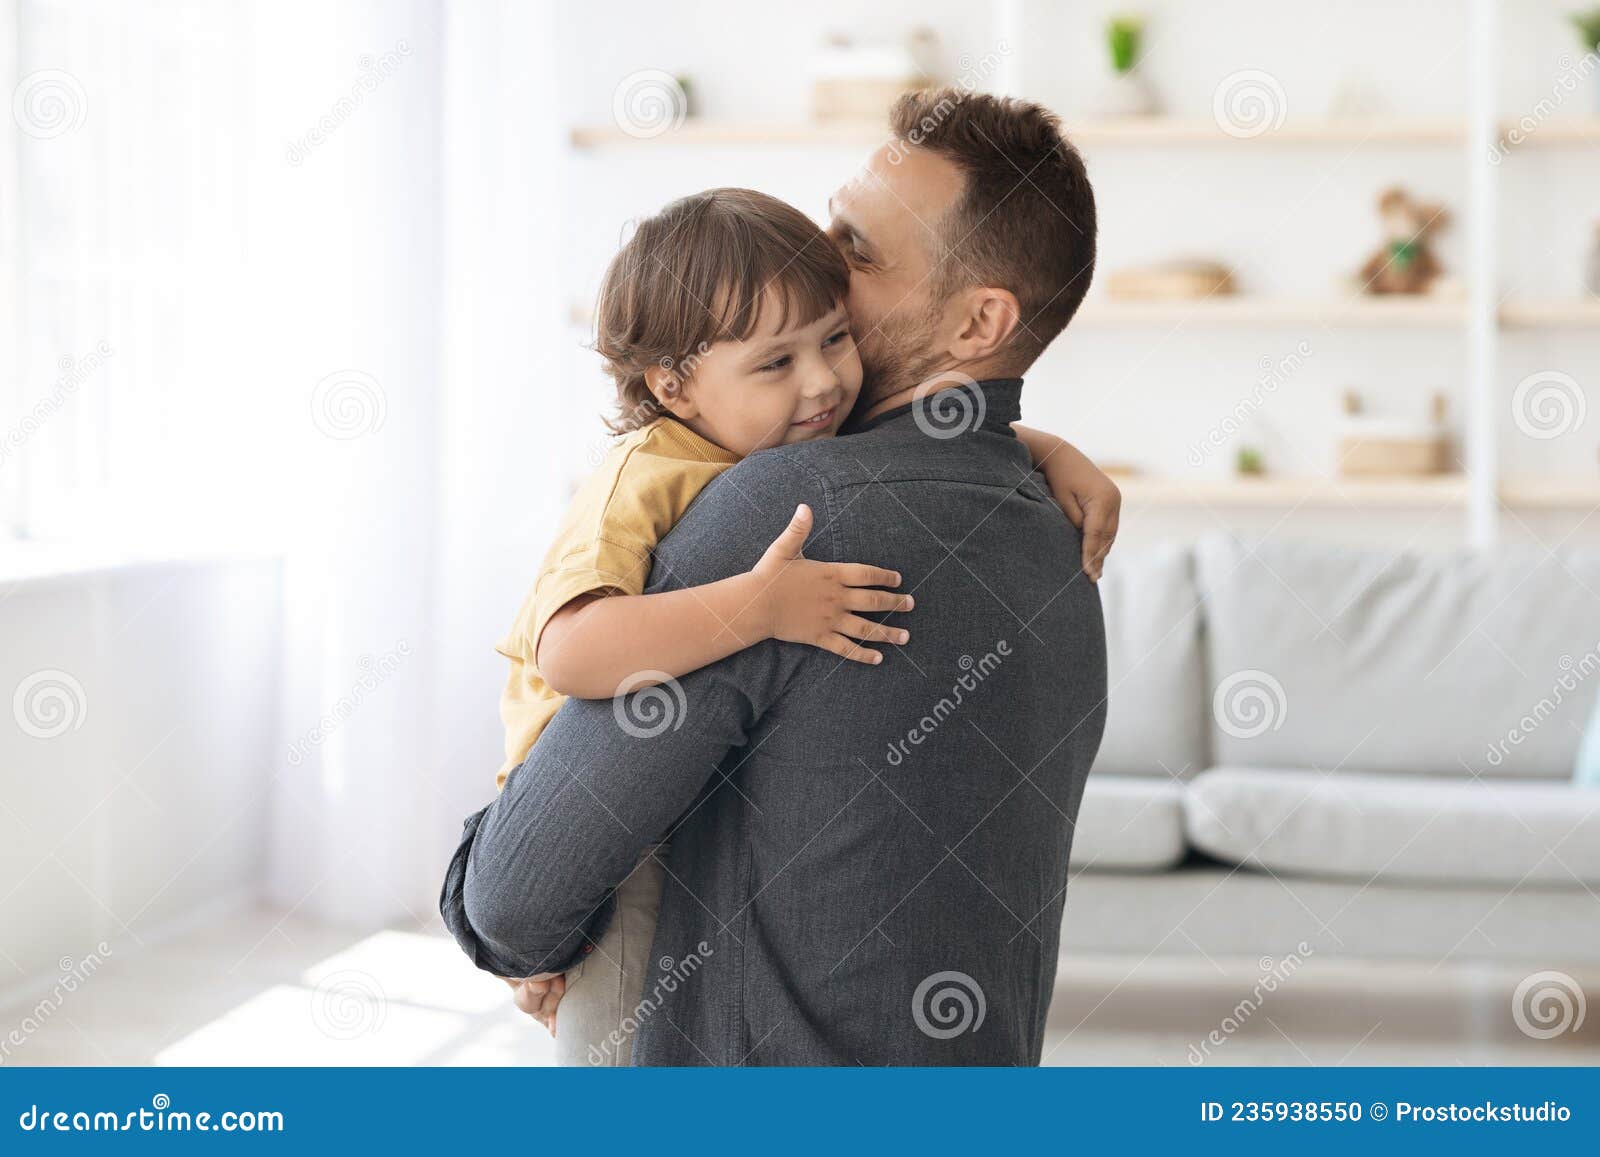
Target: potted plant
<point>1126,93</point>
<point>1588,26</point>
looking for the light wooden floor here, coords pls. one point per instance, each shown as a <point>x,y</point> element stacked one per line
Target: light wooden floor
<point>260,988</point>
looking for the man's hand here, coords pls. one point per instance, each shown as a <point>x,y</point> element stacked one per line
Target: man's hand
<point>539,995</point>
<point>815,602</point>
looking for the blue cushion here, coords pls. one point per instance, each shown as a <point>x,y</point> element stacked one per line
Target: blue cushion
<point>1587,772</point>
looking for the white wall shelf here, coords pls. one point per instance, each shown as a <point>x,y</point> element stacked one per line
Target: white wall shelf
<point>1378,312</point>
<point>1169,131</point>
<point>1551,493</point>
<point>1571,314</point>
<point>1086,133</point>
<point>1356,493</point>
<point>1363,493</point>
<point>713,133</point>
<point>1562,132</point>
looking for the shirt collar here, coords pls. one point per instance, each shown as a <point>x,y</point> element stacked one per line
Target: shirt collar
<point>990,405</point>
<point>688,444</point>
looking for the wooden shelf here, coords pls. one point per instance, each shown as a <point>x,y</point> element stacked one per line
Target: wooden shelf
<point>1574,313</point>
<point>1121,131</point>
<point>1551,493</point>
<point>1171,131</point>
<point>1559,132</point>
<point>1320,493</point>
<point>737,133</point>
<point>1361,493</point>
<point>1375,312</point>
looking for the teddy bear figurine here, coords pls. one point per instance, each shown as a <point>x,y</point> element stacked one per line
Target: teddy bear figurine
<point>1406,263</point>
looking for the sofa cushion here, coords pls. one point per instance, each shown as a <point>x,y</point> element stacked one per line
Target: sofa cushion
<point>1442,663</point>
<point>1218,911</point>
<point>1156,712</point>
<point>1403,828</point>
<point>1129,824</point>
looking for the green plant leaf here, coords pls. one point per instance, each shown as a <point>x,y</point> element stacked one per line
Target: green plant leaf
<point>1588,26</point>
<point>1123,34</point>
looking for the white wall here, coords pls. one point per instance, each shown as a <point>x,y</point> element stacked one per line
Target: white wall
<point>151,803</point>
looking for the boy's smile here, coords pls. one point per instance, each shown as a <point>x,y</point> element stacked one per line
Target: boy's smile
<point>817,421</point>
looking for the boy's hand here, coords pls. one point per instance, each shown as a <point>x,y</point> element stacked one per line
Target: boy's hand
<point>1090,500</point>
<point>538,996</point>
<point>813,602</point>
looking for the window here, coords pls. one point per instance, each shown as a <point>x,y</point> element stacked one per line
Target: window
<point>125,193</point>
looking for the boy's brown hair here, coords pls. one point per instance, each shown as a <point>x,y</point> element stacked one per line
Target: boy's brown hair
<point>699,272</point>
<point>1026,219</point>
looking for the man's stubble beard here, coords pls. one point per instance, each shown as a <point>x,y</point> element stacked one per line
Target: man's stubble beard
<point>895,356</point>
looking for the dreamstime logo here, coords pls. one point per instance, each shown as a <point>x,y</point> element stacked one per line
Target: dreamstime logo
<point>74,373</point>
<point>1273,376</point>
<point>349,1004</point>
<point>1273,974</point>
<point>374,673</point>
<point>348,404</point>
<point>649,103</point>
<point>972,74</point>
<point>598,449</point>
<point>1548,404</point>
<point>1567,82</point>
<point>1249,103</point>
<point>955,404</point>
<point>1573,674</point>
<point>1249,703</point>
<point>648,704</point>
<point>948,1004</point>
<point>673,973</point>
<point>74,974</point>
<point>647,409</point>
<point>372,72</point>
<point>49,703</point>
<point>1547,1004</point>
<point>975,671</point>
<point>681,370</point>
<point>49,104</point>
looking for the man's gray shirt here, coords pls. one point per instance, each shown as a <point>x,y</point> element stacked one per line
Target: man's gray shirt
<point>868,865</point>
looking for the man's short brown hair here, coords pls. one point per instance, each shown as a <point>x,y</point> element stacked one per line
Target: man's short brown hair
<point>1025,221</point>
<point>699,272</point>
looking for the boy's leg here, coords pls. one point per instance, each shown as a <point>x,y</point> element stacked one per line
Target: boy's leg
<point>599,1015</point>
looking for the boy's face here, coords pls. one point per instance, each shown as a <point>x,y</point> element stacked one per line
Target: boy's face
<point>775,387</point>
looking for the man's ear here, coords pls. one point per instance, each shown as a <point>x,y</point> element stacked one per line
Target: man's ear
<point>987,321</point>
<point>666,387</point>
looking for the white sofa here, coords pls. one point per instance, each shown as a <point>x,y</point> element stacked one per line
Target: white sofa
<point>1368,752</point>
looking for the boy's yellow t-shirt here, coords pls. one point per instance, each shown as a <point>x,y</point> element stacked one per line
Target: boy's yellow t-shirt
<point>646,482</point>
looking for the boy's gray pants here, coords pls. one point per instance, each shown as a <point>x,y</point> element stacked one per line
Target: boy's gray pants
<point>599,1015</point>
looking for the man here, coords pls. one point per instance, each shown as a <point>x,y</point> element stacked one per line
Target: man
<point>867,865</point>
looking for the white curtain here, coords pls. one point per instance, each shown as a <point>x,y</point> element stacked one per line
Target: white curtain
<point>346,225</point>
<point>323,245</point>
<point>126,200</point>
<point>516,429</point>
<point>431,221</point>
